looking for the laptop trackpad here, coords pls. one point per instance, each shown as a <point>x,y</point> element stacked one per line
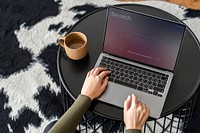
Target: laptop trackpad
<point>116,94</point>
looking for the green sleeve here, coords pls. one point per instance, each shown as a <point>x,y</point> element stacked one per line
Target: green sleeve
<point>69,121</point>
<point>133,131</point>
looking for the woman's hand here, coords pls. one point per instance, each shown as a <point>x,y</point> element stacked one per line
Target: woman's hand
<point>135,113</point>
<point>95,82</point>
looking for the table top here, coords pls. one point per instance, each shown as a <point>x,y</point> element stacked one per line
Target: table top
<point>186,75</point>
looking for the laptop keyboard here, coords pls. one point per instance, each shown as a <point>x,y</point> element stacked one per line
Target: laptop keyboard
<point>135,77</point>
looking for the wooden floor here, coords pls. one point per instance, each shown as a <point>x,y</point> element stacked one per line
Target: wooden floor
<point>192,4</point>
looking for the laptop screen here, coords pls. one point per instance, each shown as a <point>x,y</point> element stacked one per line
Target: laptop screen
<point>142,38</point>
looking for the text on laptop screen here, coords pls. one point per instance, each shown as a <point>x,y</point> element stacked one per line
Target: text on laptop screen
<point>142,38</point>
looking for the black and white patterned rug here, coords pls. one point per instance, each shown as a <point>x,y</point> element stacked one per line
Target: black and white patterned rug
<point>29,83</point>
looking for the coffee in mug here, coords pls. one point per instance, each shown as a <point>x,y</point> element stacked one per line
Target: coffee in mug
<point>75,45</point>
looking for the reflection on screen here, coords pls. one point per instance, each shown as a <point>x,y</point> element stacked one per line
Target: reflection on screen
<point>143,38</point>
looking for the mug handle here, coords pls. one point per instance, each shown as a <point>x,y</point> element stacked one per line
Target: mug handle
<point>61,40</point>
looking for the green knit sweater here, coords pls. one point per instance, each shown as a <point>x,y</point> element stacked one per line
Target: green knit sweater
<point>69,121</point>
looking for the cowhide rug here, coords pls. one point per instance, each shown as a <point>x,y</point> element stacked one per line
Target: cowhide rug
<point>29,84</point>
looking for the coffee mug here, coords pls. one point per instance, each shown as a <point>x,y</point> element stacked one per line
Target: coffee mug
<point>75,45</point>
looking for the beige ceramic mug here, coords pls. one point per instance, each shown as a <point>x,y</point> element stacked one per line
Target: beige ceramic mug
<point>75,45</point>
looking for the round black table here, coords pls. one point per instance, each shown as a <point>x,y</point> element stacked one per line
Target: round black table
<point>186,77</point>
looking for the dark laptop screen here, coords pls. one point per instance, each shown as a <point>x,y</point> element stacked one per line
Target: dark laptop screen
<point>142,38</point>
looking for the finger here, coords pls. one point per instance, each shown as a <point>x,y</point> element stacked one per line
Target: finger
<point>92,71</point>
<point>88,74</point>
<point>134,100</point>
<point>102,68</point>
<point>105,83</point>
<point>144,107</point>
<point>98,70</point>
<point>146,115</point>
<point>148,111</point>
<point>139,106</point>
<point>127,103</point>
<point>104,73</point>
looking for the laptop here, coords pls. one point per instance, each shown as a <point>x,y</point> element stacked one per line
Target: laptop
<point>141,51</point>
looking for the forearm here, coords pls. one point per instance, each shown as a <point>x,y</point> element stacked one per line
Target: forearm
<point>69,121</point>
<point>133,131</point>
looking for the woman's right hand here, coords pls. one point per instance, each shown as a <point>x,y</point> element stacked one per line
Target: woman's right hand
<point>135,113</point>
